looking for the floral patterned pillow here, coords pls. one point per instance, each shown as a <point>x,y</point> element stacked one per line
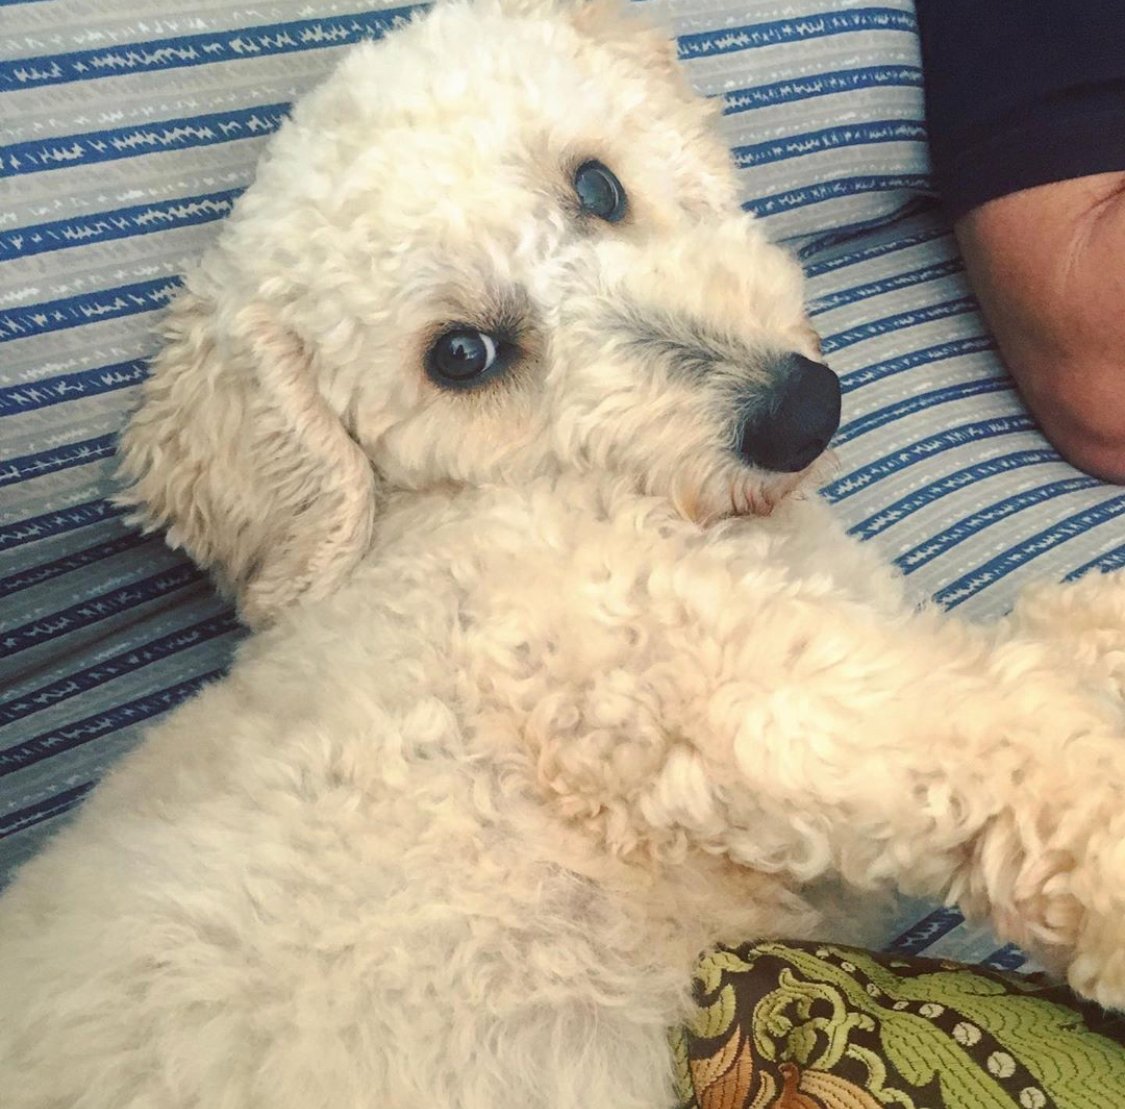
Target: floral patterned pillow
<point>808,1026</point>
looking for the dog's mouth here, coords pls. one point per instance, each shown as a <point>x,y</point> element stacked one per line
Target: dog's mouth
<point>756,497</point>
<point>745,492</point>
<point>709,504</point>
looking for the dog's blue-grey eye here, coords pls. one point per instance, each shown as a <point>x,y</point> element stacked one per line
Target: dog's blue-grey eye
<point>599,192</point>
<point>462,357</point>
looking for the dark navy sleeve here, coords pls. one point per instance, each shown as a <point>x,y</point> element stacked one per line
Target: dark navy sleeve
<point>1021,93</point>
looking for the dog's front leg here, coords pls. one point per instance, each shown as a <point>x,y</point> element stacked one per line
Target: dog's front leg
<point>1084,620</point>
<point>950,760</point>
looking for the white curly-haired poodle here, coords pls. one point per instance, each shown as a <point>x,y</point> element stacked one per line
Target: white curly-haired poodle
<point>487,406</point>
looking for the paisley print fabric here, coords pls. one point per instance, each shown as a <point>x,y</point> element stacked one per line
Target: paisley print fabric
<point>808,1026</point>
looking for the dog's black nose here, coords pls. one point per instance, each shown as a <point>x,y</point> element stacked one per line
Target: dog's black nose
<point>795,421</point>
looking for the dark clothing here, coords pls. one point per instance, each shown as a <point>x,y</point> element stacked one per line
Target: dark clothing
<point>1021,93</point>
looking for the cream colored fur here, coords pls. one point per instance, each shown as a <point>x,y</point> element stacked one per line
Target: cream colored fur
<point>546,700</point>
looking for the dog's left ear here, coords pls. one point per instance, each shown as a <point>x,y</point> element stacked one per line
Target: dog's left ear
<point>236,453</point>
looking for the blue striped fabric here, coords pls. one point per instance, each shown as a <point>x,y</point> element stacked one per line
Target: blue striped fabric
<point>68,387</point>
<point>822,20</point>
<point>924,933</point>
<point>55,522</point>
<point>41,155</point>
<point>796,89</point>
<point>211,48</point>
<point>74,311</point>
<point>119,223</point>
<point>822,106</point>
<point>130,127</point>
<point>13,470</point>
<point>828,138</point>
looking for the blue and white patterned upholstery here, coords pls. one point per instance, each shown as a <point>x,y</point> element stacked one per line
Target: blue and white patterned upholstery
<point>129,127</point>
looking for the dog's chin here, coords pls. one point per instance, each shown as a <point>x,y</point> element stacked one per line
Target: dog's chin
<point>745,492</point>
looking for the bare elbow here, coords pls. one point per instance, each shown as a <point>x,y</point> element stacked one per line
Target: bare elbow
<point>1087,430</point>
<point>1101,460</point>
<point>1053,300</point>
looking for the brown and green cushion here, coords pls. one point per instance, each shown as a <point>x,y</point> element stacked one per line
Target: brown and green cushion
<point>818,1026</point>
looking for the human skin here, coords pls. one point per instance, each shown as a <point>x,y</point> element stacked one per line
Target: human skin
<point>1046,265</point>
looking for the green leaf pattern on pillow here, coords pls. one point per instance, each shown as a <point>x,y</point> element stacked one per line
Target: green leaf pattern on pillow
<point>808,1026</point>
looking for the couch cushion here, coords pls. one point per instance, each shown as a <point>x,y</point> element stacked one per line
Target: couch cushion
<point>822,106</point>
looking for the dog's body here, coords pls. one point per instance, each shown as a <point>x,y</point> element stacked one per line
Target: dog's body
<point>455,835</point>
<point>553,714</point>
<point>360,871</point>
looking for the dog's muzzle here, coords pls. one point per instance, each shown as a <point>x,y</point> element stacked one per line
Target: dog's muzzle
<point>793,424</point>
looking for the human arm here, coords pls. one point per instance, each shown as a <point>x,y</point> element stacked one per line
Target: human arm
<point>1047,266</point>
<point>1026,115</point>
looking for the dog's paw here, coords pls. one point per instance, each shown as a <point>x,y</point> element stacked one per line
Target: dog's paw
<point>1055,885</point>
<point>1096,968</point>
<point>1086,619</point>
<point>1097,971</point>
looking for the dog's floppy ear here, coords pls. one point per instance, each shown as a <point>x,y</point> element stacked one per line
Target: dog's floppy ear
<point>235,452</point>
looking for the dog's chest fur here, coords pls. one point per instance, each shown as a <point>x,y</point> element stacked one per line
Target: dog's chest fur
<point>353,823</point>
<point>574,635</point>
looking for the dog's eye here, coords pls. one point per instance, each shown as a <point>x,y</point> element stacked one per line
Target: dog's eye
<point>463,357</point>
<point>599,192</point>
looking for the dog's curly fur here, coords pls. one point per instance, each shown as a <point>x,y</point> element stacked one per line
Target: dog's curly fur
<point>545,700</point>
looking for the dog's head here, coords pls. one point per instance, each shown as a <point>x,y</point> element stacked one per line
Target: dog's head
<point>501,244</point>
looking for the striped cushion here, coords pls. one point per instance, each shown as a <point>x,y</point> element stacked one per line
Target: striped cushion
<point>938,461</point>
<point>130,131</point>
<point>822,105</point>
